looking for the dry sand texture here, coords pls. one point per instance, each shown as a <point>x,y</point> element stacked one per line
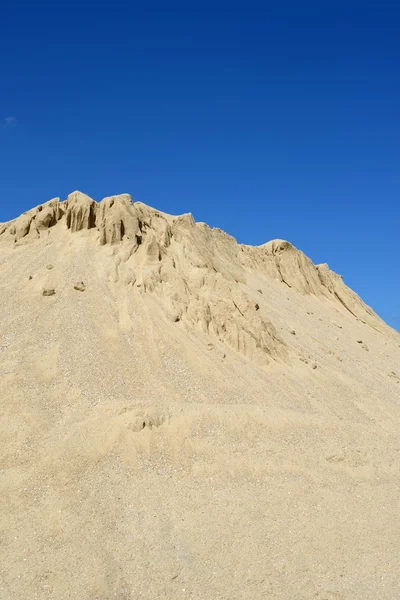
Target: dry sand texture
<point>184,417</point>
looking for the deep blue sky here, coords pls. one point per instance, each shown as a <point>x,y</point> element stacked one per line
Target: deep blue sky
<point>265,119</point>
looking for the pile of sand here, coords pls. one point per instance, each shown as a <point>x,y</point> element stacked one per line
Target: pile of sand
<point>187,417</point>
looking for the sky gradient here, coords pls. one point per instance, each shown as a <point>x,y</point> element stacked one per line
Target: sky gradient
<point>266,120</point>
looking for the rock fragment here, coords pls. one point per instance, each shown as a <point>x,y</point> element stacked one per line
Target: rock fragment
<point>80,286</point>
<point>48,291</point>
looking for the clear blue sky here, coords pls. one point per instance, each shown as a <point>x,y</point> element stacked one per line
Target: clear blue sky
<point>268,119</point>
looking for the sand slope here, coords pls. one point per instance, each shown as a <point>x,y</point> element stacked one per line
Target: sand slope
<point>186,417</point>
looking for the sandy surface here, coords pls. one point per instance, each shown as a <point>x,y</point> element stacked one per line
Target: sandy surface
<point>184,417</point>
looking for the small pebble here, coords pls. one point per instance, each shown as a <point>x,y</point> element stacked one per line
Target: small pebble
<point>48,292</point>
<point>80,286</point>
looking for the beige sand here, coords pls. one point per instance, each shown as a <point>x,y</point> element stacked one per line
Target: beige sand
<point>185,417</point>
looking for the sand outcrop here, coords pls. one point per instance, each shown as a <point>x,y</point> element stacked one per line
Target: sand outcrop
<point>188,417</point>
<point>197,274</point>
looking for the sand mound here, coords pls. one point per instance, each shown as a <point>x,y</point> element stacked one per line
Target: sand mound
<point>197,274</point>
<point>188,417</point>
